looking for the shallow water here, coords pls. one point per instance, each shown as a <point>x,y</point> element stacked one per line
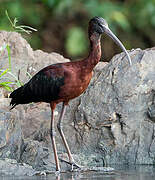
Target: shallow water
<point>120,173</point>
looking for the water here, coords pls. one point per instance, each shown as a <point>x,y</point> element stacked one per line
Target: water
<point>120,173</point>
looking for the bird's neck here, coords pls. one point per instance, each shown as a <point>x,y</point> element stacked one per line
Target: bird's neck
<point>95,51</point>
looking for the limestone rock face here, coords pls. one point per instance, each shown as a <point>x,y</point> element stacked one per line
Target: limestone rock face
<point>113,114</point>
<point>113,118</point>
<point>11,136</point>
<point>113,122</point>
<point>13,124</point>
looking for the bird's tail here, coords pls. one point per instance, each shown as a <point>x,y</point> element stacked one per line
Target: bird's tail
<point>17,97</point>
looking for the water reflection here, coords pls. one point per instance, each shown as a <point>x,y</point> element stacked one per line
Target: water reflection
<point>120,173</point>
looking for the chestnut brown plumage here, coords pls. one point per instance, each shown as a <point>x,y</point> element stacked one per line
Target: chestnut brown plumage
<point>64,81</point>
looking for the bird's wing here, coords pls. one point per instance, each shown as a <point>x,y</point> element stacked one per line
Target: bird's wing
<point>44,86</point>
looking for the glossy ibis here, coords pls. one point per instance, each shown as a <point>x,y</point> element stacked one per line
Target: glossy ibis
<point>64,81</point>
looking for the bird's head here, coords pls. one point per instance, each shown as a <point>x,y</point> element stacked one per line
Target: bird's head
<point>98,25</point>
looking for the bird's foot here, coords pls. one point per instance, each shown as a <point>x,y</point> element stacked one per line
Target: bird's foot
<point>72,163</point>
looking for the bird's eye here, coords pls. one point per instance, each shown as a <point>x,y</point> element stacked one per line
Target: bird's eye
<point>100,25</point>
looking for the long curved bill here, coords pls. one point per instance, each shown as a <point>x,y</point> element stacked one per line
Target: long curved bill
<point>118,42</point>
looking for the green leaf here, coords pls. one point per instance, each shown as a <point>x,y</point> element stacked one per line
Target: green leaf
<point>5,86</point>
<point>9,56</point>
<point>21,28</point>
<point>4,72</point>
<point>4,83</point>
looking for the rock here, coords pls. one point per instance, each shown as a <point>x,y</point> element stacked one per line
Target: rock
<point>111,123</point>
<point>3,93</point>
<point>38,156</point>
<point>24,60</point>
<point>128,92</point>
<point>10,131</point>
<point>111,117</point>
<point>10,167</point>
<point>151,112</point>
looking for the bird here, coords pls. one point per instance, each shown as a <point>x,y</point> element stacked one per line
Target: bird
<point>62,82</point>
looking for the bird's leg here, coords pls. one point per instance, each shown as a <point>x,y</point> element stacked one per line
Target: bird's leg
<point>52,134</point>
<point>59,126</point>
